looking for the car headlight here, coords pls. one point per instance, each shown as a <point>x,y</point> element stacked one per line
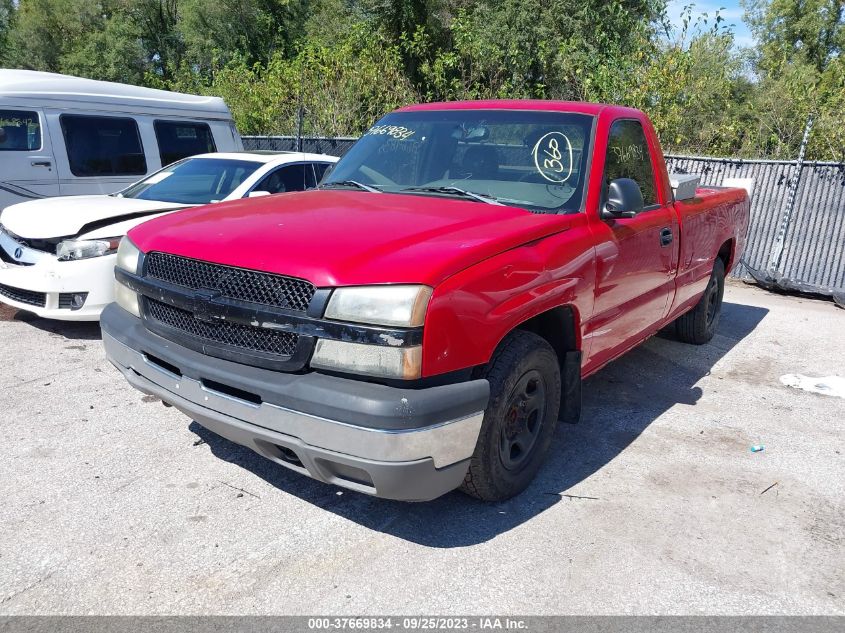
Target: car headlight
<point>69,250</point>
<point>398,306</point>
<point>128,259</point>
<point>128,256</point>
<point>404,363</point>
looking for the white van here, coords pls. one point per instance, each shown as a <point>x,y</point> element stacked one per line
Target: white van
<point>66,136</point>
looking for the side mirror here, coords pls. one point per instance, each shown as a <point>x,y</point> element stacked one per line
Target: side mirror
<point>624,199</point>
<point>258,194</point>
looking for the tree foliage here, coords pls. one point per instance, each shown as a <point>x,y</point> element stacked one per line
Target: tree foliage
<point>345,62</point>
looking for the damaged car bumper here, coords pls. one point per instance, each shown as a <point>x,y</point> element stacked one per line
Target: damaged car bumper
<point>37,281</point>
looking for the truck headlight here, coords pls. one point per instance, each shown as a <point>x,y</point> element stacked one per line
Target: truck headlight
<point>368,360</point>
<point>128,256</point>
<point>126,299</point>
<point>397,305</point>
<point>128,259</point>
<point>69,250</point>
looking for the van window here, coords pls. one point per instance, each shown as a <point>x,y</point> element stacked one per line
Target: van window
<point>103,146</point>
<point>628,156</point>
<point>181,139</point>
<point>20,131</point>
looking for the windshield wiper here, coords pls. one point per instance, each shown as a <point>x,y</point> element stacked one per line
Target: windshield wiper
<point>351,183</point>
<point>455,191</point>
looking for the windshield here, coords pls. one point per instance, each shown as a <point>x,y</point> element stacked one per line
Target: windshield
<point>193,181</point>
<point>535,160</point>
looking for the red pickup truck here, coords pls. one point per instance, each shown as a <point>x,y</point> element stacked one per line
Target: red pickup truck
<point>422,320</point>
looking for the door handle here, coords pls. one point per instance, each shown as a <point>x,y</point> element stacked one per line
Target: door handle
<point>41,163</point>
<point>666,236</point>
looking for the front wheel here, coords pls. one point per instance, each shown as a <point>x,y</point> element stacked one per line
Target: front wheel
<point>699,324</point>
<point>520,419</point>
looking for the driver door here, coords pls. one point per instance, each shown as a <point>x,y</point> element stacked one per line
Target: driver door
<point>636,256</point>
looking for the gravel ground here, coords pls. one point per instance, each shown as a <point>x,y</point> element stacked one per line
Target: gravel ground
<point>113,504</point>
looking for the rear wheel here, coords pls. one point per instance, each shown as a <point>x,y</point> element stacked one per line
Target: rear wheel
<point>699,324</point>
<point>520,419</point>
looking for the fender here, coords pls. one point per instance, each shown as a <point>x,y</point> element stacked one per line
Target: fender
<point>472,311</point>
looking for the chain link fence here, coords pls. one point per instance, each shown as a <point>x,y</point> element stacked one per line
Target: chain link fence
<point>334,146</point>
<point>796,240</point>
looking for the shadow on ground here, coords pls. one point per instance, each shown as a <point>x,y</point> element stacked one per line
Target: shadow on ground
<point>620,402</point>
<point>73,330</point>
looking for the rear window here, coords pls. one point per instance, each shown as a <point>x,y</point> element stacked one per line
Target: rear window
<point>103,146</point>
<point>20,131</point>
<point>181,139</point>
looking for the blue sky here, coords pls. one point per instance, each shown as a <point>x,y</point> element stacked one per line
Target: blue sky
<point>732,13</point>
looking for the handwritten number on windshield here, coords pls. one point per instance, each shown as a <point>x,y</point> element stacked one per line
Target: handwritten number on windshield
<point>398,132</point>
<point>555,151</point>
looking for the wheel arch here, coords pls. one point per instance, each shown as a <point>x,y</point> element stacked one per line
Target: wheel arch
<point>726,253</point>
<point>560,327</point>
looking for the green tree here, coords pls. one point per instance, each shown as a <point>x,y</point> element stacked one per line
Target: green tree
<point>343,87</point>
<point>347,61</point>
<point>329,21</point>
<point>90,38</point>
<point>155,24</point>
<point>691,84</point>
<point>253,30</point>
<point>534,48</point>
<point>809,31</point>
<point>7,12</point>
<point>395,18</point>
<point>111,52</point>
<point>800,74</point>
<point>45,30</point>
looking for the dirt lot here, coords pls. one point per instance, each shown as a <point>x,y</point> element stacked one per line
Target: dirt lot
<point>654,503</point>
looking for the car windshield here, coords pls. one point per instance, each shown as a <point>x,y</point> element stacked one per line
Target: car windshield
<point>530,159</point>
<point>193,181</point>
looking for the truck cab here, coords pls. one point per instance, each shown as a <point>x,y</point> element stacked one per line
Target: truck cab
<point>423,319</point>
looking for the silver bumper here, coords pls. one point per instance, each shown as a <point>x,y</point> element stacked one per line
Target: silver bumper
<point>444,444</point>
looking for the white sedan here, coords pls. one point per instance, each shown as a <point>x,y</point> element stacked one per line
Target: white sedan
<point>57,255</point>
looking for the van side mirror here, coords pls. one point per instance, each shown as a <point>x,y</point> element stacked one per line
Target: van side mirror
<point>624,199</point>
<point>258,194</point>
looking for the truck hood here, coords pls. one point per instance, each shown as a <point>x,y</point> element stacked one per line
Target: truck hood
<point>339,237</point>
<point>71,215</point>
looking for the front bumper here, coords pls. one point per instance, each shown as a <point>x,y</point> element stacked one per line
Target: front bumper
<point>408,444</point>
<point>47,280</point>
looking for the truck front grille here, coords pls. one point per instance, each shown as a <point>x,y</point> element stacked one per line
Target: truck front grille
<point>241,337</point>
<point>38,299</point>
<point>238,342</point>
<point>235,283</point>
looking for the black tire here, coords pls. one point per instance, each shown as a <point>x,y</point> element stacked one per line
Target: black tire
<point>699,324</point>
<point>520,419</point>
